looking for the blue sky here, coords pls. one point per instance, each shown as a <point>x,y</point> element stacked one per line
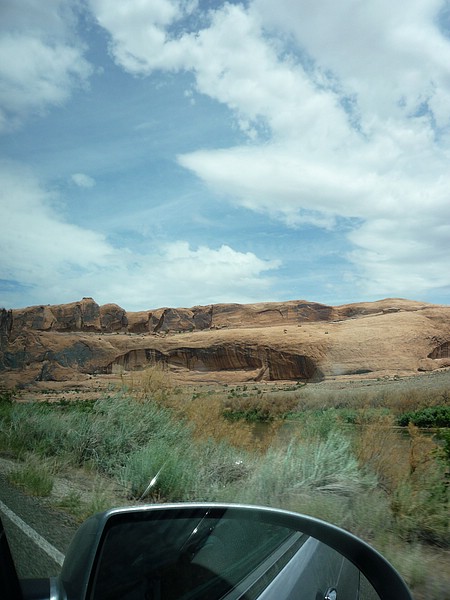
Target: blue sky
<point>179,152</point>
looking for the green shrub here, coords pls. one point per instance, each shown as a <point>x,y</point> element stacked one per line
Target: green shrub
<point>157,470</point>
<point>361,416</point>
<point>7,395</point>
<point>258,409</point>
<point>132,441</point>
<point>443,450</point>
<point>432,416</point>
<point>313,469</point>
<point>317,423</point>
<point>219,469</point>
<point>420,508</point>
<point>182,471</point>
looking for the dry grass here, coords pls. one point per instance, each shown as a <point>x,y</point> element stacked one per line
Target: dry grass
<point>155,382</point>
<point>34,476</point>
<point>405,516</point>
<point>205,414</point>
<point>380,449</point>
<point>203,411</point>
<point>399,395</point>
<point>414,478</point>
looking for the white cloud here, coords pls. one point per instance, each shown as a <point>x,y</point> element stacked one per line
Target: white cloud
<point>82,180</point>
<point>41,61</point>
<point>214,267</point>
<point>139,41</point>
<point>232,63</point>
<point>37,245</point>
<point>347,107</point>
<point>51,258</point>
<point>405,257</point>
<point>177,275</point>
<point>393,58</point>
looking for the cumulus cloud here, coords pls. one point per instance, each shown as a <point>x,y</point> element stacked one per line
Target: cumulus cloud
<point>231,60</point>
<point>347,111</point>
<point>36,243</point>
<point>394,61</point>
<point>50,257</point>
<point>139,41</point>
<point>41,62</point>
<point>82,180</point>
<point>177,275</point>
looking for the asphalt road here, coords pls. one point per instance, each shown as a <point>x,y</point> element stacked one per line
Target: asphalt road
<point>38,536</point>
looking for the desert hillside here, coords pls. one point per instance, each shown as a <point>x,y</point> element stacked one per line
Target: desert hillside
<point>295,340</point>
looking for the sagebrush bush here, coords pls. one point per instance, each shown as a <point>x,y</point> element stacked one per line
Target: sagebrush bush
<point>220,468</point>
<point>312,464</point>
<point>133,442</point>
<point>156,471</point>
<point>104,436</point>
<point>340,459</point>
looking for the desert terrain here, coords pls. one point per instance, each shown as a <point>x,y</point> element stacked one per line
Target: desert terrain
<point>85,345</point>
<point>344,374</point>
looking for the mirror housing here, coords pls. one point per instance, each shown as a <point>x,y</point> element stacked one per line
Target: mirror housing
<point>169,542</point>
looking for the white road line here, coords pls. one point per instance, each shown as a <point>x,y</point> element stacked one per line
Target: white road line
<point>54,554</point>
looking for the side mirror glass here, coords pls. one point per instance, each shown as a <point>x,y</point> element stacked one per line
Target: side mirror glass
<point>208,551</point>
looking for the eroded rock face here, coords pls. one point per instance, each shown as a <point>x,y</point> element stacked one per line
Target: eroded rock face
<point>265,363</point>
<point>294,340</point>
<point>76,316</point>
<point>87,315</point>
<point>441,351</point>
<point>6,320</point>
<point>113,318</point>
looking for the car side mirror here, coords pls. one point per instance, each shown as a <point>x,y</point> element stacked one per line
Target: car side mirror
<point>208,551</point>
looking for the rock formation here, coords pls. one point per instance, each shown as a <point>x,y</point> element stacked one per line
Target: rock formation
<point>295,340</point>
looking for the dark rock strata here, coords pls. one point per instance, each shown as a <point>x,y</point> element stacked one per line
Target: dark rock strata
<point>269,363</point>
<point>295,340</point>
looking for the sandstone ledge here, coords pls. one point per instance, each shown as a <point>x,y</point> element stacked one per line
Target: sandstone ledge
<point>295,340</point>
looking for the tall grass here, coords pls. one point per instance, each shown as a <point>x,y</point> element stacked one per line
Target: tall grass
<point>132,441</point>
<point>168,446</point>
<point>397,396</point>
<point>36,478</point>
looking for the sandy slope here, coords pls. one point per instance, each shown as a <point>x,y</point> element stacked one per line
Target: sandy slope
<point>295,340</point>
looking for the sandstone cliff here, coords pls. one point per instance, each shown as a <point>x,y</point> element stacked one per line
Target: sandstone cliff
<point>294,340</point>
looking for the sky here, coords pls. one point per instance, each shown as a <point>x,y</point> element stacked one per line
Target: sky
<point>187,152</point>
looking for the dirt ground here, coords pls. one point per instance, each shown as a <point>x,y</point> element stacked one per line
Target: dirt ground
<point>95,387</point>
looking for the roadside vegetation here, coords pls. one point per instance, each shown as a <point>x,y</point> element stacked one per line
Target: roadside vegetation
<point>338,456</point>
